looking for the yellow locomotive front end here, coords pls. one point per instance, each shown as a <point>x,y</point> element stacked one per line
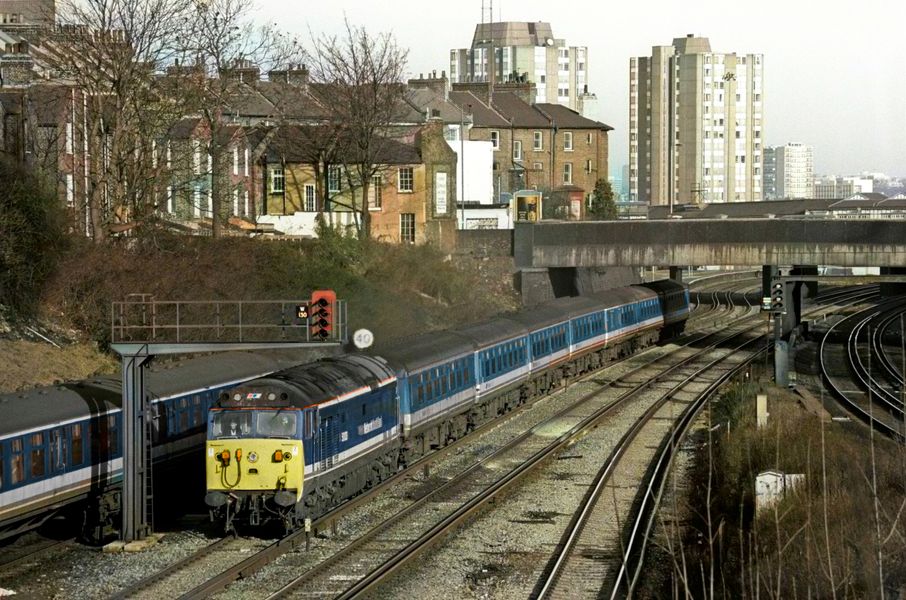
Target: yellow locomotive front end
<point>254,465</point>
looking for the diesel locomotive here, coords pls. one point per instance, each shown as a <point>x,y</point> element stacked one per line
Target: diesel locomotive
<point>291,445</point>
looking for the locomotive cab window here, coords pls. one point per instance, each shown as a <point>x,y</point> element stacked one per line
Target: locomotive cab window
<point>231,424</point>
<point>276,423</point>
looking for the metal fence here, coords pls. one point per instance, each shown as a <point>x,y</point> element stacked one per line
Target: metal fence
<point>142,319</point>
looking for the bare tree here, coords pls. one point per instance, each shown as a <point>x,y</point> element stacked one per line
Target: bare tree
<point>230,50</point>
<point>110,54</point>
<point>359,80</point>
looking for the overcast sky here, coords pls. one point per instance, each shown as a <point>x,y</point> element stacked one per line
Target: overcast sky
<point>834,72</point>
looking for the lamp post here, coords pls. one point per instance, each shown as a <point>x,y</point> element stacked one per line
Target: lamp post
<point>462,165</point>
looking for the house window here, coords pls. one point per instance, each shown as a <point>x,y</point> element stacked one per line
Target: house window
<point>588,139</point>
<point>405,183</point>
<point>246,196</point>
<point>537,166</point>
<point>375,192</point>
<point>169,199</point>
<point>196,157</point>
<point>538,141</point>
<point>588,166</point>
<point>495,140</point>
<point>169,155</point>
<point>246,153</point>
<point>568,141</point>
<point>333,179</point>
<point>309,198</point>
<point>567,172</point>
<point>517,150</point>
<point>196,201</point>
<point>407,228</point>
<point>278,180</point>
<point>235,161</point>
<point>68,138</point>
<point>236,201</point>
<point>70,190</point>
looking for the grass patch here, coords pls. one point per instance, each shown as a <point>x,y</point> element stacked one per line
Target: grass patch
<point>842,534</point>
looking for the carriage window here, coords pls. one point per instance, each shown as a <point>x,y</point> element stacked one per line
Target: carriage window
<point>37,455</point>
<point>111,424</point>
<point>1,467</point>
<point>183,414</point>
<point>75,432</point>
<point>196,410</point>
<point>364,410</point>
<point>16,462</point>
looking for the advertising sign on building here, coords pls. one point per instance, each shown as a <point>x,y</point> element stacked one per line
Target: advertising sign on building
<point>440,193</point>
<point>527,205</point>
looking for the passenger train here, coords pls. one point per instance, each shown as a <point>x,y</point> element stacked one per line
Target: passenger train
<point>61,446</point>
<point>289,446</point>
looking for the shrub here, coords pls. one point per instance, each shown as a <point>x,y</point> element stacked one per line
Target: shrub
<point>31,236</point>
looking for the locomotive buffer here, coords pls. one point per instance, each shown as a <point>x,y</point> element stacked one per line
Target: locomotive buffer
<point>143,328</point>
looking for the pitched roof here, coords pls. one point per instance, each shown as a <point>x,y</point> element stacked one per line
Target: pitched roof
<point>565,117</point>
<point>518,111</point>
<point>300,144</point>
<point>184,128</point>
<point>291,101</point>
<point>482,114</point>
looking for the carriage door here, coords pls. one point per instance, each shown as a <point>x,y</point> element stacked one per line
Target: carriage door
<point>328,442</point>
<point>58,451</point>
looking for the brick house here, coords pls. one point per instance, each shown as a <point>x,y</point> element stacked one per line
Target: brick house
<point>540,146</point>
<point>409,199</point>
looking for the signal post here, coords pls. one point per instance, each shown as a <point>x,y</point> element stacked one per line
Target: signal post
<point>143,328</point>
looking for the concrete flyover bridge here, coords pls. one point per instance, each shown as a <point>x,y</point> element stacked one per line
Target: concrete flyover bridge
<point>739,242</point>
<point>549,253</point>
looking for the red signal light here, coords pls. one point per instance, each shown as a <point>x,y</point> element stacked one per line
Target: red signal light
<point>321,313</point>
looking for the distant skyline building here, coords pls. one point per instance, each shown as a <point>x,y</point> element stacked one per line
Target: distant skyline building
<point>769,174</point>
<point>525,53</point>
<point>832,187</point>
<point>696,125</point>
<point>795,174</point>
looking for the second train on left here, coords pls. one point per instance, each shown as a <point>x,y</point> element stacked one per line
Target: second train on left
<point>291,445</point>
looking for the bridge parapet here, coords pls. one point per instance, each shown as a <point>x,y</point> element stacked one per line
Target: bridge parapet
<point>741,242</point>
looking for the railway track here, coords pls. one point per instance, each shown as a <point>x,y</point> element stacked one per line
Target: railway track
<point>849,373</point>
<point>250,564</point>
<point>594,556</point>
<point>389,546</point>
<point>270,553</point>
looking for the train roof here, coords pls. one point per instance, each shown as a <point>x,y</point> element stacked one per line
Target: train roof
<point>663,285</point>
<point>555,312</point>
<point>24,411</point>
<point>493,332</point>
<point>39,407</point>
<point>618,296</point>
<point>316,382</point>
<point>425,349</point>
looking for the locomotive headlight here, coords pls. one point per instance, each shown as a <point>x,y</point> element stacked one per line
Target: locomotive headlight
<point>252,457</point>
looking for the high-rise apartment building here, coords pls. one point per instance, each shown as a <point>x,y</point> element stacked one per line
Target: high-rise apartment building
<point>769,174</point>
<point>514,52</point>
<point>795,175</point>
<point>695,125</point>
